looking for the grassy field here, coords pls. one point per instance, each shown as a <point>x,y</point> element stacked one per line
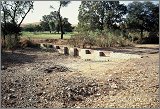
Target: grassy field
<point>45,35</point>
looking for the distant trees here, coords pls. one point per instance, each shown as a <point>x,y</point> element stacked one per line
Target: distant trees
<point>32,28</point>
<point>50,23</point>
<point>12,11</point>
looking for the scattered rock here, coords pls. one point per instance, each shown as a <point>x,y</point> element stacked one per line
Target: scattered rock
<point>11,90</point>
<point>3,67</point>
<point>113,85</point>
<point>12,96</point>
<point>39,94</point>
<point>97,95</point>
<point>56,68</point>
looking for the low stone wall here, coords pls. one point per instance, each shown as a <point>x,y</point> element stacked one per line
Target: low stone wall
<point>89,54</point>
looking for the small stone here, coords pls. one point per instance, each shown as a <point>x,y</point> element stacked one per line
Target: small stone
<point>17,81</point>
<point>11,90</point>
<point>39,94</point>
<point>12,96</point>
<point>5,97</point>
<point>28,69</point>
<point>113,85</point>
<point>98,94</point>
<point>3,67</point>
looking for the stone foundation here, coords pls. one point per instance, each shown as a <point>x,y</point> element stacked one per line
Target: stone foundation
<point>89,54</point>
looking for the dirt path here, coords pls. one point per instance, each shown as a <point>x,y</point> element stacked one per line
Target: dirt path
<point>36,78</point>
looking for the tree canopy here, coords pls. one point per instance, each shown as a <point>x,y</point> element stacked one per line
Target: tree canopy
<point>100,14</point>
<point>143,16</point>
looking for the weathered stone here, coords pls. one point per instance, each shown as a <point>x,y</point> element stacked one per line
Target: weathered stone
<point>11,90</point>
<point>57,47</point>
<point>66,51</point>
<point>3,68</point>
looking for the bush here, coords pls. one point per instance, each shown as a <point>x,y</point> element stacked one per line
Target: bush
<point>82,40</point>
<point>10,33</point>
<point>150,40</point>
<point>106,38</point>
<point>28,43</point>
<point>11,42</point>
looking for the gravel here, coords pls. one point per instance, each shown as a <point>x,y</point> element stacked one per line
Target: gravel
<point>40,79</point>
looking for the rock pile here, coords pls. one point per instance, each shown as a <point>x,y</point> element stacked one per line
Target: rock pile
<point>79,89</point>
<point>56,68</point>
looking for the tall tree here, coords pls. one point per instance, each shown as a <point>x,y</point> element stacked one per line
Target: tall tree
<point>61,4</point>
<point>100,14</point>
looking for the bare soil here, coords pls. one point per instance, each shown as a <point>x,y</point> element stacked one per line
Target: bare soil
<point>47,79</point>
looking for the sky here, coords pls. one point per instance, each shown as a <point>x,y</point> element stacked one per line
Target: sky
<point>43,8</point>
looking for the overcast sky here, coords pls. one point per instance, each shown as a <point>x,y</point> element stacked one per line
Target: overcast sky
<point>43,8</point>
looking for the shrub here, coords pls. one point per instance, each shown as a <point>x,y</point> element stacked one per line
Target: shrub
<point>104,38</point>
<point>28,43</point>
<point>82,40</point>
<point>11,42</point>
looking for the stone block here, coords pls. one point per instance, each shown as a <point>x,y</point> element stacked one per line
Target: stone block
<point>74,51</point>
<point>66,51</point>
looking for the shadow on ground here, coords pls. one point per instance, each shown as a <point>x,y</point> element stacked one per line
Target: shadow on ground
<point>131,50</point>
<point>9,58</point>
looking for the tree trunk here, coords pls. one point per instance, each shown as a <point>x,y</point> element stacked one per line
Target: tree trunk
<point>60,21</point>
<point>61,26</point>
<point>4,40</point>
<point>141,35</point>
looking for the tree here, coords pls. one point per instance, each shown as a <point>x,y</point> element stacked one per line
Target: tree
<point>32,28</point>
<point>55,19</point>
<point>44,25</point>
<point>46,19</point>
<point>29,28</point>
<point>99,14</point>
<point>143,17</point>
<point>61,4</point>
<point>37,28</point>
<point>50,22</point>
<point>51,26</point>
<point>66,25</point>
<point>11,12</point>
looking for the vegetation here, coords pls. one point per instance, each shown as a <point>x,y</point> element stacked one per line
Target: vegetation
<point>11,12</point>
<point>143,17</point>
<point>50,23</point>
<point>101,23</point>
<point>44,35</point>
<point>60,19</point>
<point>108,18</point>
<point>100,14</point>
<point>105,38</point>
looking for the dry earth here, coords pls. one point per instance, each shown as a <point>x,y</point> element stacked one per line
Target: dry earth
<point>36,78</point>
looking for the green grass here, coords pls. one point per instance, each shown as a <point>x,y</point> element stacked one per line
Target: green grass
<point>45,35</point>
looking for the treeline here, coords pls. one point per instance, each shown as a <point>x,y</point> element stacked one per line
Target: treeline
<point>109,21</point>
<point>50,23</point>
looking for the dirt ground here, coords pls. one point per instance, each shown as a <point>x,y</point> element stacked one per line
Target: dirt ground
<point>47,79</point>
